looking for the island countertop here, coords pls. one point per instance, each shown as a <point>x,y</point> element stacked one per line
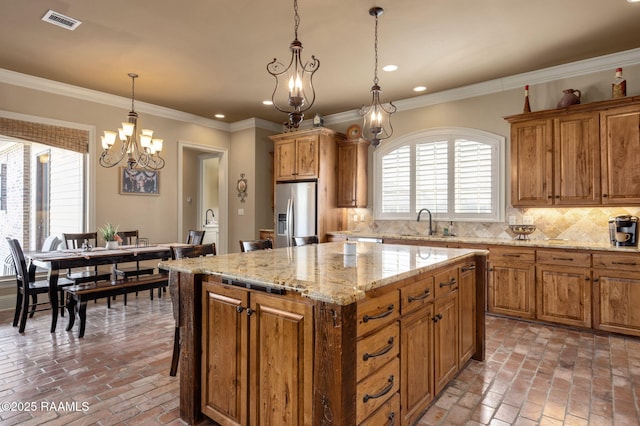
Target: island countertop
<point>322,271</point>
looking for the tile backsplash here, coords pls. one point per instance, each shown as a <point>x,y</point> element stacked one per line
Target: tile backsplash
<point>573,224</point>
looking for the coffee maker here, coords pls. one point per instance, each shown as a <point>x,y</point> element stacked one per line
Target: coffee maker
<point>623,231</point>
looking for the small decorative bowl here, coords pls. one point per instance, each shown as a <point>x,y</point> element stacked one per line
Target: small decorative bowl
<point>522,231</point>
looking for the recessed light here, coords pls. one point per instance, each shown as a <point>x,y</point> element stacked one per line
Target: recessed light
<point>419,88</point>
<point>389,68</point>
<point>633,1</point>
<point>267,102</point>
<point>219,115</point>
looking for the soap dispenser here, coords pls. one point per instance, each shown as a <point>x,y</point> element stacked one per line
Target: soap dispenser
<point>452,231</point>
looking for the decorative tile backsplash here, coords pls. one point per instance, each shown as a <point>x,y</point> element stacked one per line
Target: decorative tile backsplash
<point>573,224</point>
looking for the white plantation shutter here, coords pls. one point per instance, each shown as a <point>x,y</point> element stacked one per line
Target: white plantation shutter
<point>473,173</point>
<point>396,181</point>
<point>455,173</point>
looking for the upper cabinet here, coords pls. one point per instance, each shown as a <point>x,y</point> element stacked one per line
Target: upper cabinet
<point>577,156</point>
<point>352,173</point>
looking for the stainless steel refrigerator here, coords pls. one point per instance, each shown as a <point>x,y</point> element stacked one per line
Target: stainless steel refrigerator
<point>296,211</point>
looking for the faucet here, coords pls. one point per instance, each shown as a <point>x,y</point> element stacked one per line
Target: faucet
<point>428,211</point>
<point>206,216</point>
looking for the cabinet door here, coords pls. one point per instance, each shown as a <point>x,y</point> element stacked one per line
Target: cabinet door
<point>284,160</point>
<point>620,155</point>
<point>281,359</point>
<point>347,174</point>
<point>307,157</point>
<point>467,296</point>
<point>532,163</point>
<point>564,295</point>
<point>512,289</point>
<point>416,368</point>
<point>577,160</point>
<point>619,298</point>
<point>446,340</point>
<point>224,354</point>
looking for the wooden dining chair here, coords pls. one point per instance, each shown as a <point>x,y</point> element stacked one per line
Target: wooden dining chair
<point>303,241</point>
<point>182,253</point>
<point>253,245</point>
<point>195,237</point>
<point>75,241</point>
<point>28,288</point>
<point>131,238</point>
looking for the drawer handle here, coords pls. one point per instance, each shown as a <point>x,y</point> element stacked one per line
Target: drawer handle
<point>386,313</point>
<point>468,268</point>
<point>511,255</point>
<point>450,283</point>
<point>426,294</point>
<point>381,352</point>
<point>382,392</point>
<point>624,263</point>
<point>570,259</point>
<point>392,419</point>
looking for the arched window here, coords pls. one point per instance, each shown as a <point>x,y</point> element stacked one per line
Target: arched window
<point>456,173</point>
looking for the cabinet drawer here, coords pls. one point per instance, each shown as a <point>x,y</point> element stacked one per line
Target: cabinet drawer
<point>502,254</point>
<point>562,257</point>
<point>387,415</point>
<point>622,261</point>
<point>376,389</point>
<point>377,349</point>
<point>417,294</point>
<point>446,282</point>
<point>376,312</point>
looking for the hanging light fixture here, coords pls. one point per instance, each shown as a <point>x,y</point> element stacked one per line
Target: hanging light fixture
<point>146,155</point>
<point>377,117</point>
<point>294,93</point>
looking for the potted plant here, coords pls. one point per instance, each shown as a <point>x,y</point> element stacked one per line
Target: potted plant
<point>110,235</point>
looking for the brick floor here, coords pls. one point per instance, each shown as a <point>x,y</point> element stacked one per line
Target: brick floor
<point>118,373</point>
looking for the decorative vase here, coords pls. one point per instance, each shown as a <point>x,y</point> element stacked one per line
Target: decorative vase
<point>112,245</point>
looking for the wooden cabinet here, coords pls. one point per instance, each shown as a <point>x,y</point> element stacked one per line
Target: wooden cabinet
<point>446,328</point>
<point>416,363</point>
<point>296,157</point>
<point>512,282</point>
<point>266,234</point>
<point>263,374</point>
<point>620,155</point>
<point>563,282</point>
<point>467,320</point>
<point>616,289</point>
<point>584,155</point>
<point>352,173</point>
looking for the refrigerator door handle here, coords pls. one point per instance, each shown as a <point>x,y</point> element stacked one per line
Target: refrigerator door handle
<point>289,222</point>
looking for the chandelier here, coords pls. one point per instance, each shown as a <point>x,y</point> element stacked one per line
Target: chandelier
<point>145,155</point>
<point>377,117</point>
<point>294,93</point>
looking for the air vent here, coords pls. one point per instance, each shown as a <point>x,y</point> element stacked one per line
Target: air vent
<point>60,20</point>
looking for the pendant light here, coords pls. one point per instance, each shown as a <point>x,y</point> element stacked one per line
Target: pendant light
<point>294,93</point>
<point>377,117</point>
<point>145,155</point>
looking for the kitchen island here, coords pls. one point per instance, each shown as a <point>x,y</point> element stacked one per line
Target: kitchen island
<point>310,336</point>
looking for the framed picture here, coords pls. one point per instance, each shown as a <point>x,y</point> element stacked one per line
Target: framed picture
<point>139,182</point>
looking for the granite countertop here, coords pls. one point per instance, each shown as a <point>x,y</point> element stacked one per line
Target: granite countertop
<point>547,243</point>
<point>322,271</point>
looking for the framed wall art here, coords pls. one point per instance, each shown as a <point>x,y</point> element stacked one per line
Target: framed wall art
<point>139,182</point>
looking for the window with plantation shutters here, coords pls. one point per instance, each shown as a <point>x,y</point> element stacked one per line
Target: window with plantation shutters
<point>455,173</point>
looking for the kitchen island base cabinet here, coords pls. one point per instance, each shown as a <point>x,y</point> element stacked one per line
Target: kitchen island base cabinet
<point>257,364</point>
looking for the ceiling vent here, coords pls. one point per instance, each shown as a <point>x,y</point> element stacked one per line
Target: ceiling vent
<point>60,20</point>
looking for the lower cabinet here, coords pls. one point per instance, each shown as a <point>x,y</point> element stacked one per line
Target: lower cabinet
<point>512,274</point>
<point>616,281</point>
<point>467,319</point>
<point>446,338</point>
<point>563,283</point>
<point>257,359</point>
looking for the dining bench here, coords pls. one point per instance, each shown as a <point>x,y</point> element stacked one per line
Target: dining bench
<point>78,295</point>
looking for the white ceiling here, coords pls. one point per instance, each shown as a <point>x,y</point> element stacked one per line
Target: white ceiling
<point>210,56</point>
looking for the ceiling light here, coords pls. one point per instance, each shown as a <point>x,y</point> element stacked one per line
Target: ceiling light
<point>267,103</point>
<point>377,117</point>
<point>633,1</point>
<point>419,88</point>
<point>144,156</point>
<point>390,68</point>
<point>219,115</point>
<point>294,93</point>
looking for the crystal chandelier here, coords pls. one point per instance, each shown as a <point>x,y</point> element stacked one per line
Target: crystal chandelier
<point>294,93</point>
<point>145,155</point>
<point>377,117</point>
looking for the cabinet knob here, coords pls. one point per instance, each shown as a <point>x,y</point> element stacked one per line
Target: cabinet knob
<point>239,309</point>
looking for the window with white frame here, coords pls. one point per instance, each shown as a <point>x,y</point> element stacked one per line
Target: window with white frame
<point>456,173</point>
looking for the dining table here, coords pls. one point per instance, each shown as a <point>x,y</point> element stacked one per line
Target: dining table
<point>55,261</point>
